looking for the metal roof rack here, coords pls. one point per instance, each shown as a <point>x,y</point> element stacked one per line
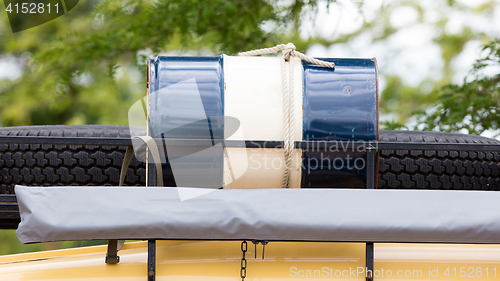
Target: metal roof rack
<point>10,216</point>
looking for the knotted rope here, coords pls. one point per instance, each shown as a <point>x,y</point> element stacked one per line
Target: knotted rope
<point>287,89</point>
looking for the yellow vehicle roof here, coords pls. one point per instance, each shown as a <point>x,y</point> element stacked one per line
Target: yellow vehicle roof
<point>216,260</point>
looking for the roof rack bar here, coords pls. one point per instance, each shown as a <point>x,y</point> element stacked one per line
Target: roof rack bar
<point>151,181</point>
<point>151,172</point>
<point>349,144</point>
<point>370,184</point>
<point>151,260</point>
<point>369,261</point>
<point>370,167</point>
<point>9,198</point>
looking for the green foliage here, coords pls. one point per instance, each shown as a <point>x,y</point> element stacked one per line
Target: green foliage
<point>452,45</point>
<point>474,106</point>
<point>401,98</point>
<point>11,245</point>
<point>80,72</point>
<point>82,68</point>
<point>392,125</point>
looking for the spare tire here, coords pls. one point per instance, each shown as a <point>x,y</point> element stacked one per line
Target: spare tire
<point>66,164</point>
<point>72,164</point>
<point>418,169</point>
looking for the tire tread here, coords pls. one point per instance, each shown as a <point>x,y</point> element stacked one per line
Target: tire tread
<point>67,164</point>
<point>457,170</point>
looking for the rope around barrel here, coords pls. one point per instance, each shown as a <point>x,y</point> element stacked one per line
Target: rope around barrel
<point>287,89</point>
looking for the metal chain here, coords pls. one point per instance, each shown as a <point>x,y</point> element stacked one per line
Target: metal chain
<point>243,270</point>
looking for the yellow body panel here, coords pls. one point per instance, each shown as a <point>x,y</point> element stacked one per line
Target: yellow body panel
<point>216,260</point>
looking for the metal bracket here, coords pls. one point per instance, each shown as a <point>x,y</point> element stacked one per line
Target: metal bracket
<point>264,243</point>
<point>151,260</point>
<point>370,167</point>
<point>370,184</point>
<point>112,254</point>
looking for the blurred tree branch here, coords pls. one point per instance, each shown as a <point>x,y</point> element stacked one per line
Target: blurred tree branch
<point>96,53</point>
<point>474,106</point>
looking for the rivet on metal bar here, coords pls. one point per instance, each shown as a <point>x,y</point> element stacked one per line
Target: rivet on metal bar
<point>151,260</point>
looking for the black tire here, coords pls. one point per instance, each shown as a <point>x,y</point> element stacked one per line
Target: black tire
<point>49,165</point>
<point>417,169</point>
<point>100,165</point>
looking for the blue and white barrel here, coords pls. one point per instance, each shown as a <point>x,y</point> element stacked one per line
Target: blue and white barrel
<point>240,99</point>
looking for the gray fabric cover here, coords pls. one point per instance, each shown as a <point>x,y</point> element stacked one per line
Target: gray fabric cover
<point>85,213</point>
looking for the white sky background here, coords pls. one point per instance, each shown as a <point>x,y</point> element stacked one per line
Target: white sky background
<point>410,52</point>
<point>10,68</point>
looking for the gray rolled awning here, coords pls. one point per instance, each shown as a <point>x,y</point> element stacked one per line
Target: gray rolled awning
<point>349,215</point>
